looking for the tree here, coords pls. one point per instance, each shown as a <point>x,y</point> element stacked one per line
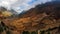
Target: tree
<point>25,32</point>
<point>48,32</point>
<point>8,32</point>
<point>42,32</point>
<point>33,32</point>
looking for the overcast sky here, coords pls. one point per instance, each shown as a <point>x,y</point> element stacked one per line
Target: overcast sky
<point>21,5</point>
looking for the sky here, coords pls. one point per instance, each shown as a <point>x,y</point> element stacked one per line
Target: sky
<point>21,5</point>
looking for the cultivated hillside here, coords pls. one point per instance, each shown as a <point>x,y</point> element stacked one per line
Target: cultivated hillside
<point>44,17</point>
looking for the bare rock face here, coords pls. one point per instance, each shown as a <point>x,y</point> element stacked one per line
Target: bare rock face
<point>42,17</point>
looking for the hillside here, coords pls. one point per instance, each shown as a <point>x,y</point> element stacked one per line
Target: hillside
<point>44,17</point>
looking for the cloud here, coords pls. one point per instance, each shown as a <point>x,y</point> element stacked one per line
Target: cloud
<point>21,5</point>
<point>7,3</point>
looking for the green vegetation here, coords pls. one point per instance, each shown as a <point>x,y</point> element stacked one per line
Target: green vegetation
<point>42,32</point>
<point>33,32</point>
<point>1,28</point>
<point>26,32</point>
<point>8,32</point>
<point>48,33</point>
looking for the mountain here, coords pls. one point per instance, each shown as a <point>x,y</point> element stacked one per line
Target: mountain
<point>44,17</point>
<point>49,8</point>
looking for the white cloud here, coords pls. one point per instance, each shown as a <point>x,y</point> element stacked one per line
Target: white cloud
<point>20,5</point>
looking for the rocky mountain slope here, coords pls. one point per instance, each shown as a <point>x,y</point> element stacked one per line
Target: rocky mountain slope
<point>44,17</point>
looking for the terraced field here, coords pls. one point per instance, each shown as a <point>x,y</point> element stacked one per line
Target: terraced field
<point>43,19</point>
